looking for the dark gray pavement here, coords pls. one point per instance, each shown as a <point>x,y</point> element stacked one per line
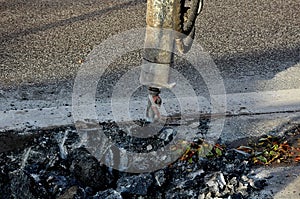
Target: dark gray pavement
<point>255,45</point>
<point>44,41</point>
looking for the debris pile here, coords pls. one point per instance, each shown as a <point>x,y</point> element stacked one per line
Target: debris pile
<point>52,167</point>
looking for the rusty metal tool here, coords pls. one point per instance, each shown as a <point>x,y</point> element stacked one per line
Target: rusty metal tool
<point>169,24</point>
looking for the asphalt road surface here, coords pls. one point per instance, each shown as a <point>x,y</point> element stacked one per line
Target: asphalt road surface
<point>255,45</point>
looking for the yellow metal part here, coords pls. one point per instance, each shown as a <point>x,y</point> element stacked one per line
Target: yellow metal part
<point>164,14</point>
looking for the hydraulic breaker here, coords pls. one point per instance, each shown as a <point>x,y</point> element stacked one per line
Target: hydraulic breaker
<point>167,21</point>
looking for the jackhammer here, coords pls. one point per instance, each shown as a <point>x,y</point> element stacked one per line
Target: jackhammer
<point>165,18</point>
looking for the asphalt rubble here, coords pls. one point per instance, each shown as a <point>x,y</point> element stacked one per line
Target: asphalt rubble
<point>51,165</point>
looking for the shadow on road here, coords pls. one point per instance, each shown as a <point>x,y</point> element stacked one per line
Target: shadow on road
<point>68,21</point>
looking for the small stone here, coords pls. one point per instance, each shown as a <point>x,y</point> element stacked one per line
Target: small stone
<point>233,181</point>
<point>135,185</point>
<point>194,125</point>
<point>149,147</point>
<point>221,181</point>
<point>242,154</point>
<point>243,110</point>
<point>108,194</point>
<point>195,174</point>
<point>242,167</point>
<point>208,196</point>
<point>87,169</point>
<point>28,125</point>
<point>260,184</point>
<point>230,188</point>
<point>242,188</point>
<point>245,178</point>
<point>160,177</point>
<point>167,135</point>
<point>213,184</point>
<point>201,196</point>
<point>226,191</point>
